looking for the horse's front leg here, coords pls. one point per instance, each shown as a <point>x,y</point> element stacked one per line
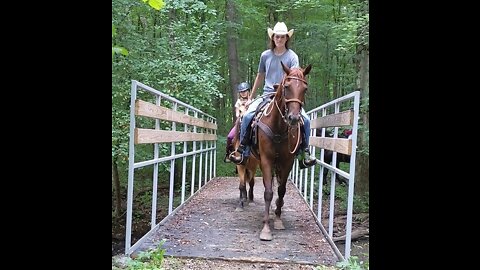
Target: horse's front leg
<point>266,234</point>
<point>282,188</point>
<point>282,176</point>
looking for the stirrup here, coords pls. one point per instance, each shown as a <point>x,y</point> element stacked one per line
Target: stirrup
<point>226,159</point>
<point>305,163</point>
<point>241,160</point>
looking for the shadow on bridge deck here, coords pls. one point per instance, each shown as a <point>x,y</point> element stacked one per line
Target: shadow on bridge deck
<point>209,227</point>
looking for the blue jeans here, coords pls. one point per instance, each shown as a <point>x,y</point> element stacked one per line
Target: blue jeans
<point>247,118</point>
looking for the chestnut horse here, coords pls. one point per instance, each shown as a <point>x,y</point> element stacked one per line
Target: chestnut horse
<point>279,138</point>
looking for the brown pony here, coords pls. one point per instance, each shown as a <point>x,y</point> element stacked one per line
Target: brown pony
<point>246,172</point>
<point>279,138</point>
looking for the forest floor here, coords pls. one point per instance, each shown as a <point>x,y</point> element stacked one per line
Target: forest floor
<point>360,248</point>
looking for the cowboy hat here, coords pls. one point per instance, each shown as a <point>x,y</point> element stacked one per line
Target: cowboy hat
<point>280,29</point>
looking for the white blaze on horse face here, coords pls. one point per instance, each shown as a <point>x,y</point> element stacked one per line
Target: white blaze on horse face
<point>295,106</point>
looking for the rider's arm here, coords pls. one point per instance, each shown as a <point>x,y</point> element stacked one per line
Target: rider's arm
<point>258,82</point>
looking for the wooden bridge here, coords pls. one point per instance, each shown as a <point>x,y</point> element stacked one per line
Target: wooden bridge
<point>208,226</point>
<point>205,223</point>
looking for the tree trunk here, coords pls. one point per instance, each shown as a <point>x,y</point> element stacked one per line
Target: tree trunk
<point>362,160</point>
<point>232,37</point>
<point>172,17</point>
<point>116,184</point>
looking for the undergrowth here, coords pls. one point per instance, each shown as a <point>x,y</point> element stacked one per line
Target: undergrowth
<point>353,263</point>
<point>149,260</point>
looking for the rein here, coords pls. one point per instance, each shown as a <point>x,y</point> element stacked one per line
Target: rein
<point>277,138</point>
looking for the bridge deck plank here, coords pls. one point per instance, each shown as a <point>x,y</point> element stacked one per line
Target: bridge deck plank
<point>209,227</point>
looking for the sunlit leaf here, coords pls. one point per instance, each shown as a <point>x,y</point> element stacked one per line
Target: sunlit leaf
<point>120,50</point>
<point>156,4</point>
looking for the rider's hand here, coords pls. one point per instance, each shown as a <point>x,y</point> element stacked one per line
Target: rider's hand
<point>249,101</point>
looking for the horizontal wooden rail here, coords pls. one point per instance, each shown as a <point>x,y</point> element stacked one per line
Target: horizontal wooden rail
<point>333,120</point>
<point>165,136</point>
<point>147,109</point>
<point>339,145</point>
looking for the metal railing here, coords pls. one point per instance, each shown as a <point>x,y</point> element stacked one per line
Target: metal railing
<point>187,131</point>
<point>330,115</point>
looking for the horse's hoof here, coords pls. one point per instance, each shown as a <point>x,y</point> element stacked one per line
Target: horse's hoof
<point>239,209</point>
<point>266,236</point>
<point>278,224</point>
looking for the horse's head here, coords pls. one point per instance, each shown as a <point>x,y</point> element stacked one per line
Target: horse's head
<point>293,87</point>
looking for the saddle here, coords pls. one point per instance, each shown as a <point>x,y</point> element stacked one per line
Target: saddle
<point>256,124</point>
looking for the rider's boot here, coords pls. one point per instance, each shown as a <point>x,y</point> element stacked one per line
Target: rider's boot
<point>307,160</point>
<point>240,156</point>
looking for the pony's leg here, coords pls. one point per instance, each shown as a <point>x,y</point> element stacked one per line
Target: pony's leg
<point>250,190</point>
<point>282,188</point>
<point>266,234</point>
<point>242,174</point>
<point>251,184</point>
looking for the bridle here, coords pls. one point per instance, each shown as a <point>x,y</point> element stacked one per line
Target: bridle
<point>289,100</point>
<point>286,109</point>
<point>292,99</point>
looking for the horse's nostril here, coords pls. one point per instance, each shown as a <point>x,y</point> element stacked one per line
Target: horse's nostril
<point>293,119</point>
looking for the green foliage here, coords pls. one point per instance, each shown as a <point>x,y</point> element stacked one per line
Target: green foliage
<point>305,4</point>
<point>149,260</point>
<point>353,264</point>
<point>353,28</point>
<point>180,49</point>
<point>117,49</point>
<point>171,56</point>
<point>360,203</point>
<point>350,33</point>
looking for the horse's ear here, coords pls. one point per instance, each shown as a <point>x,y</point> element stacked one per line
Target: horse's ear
<point>285,68</point>
<point>307,70</point>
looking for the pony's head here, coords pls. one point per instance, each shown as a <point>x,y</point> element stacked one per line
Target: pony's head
<point>294,86</point>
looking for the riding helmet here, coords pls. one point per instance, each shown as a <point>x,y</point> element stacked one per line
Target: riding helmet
<point>244,86</point>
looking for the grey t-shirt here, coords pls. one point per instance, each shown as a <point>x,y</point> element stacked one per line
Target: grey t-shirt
<point>270,64</point>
